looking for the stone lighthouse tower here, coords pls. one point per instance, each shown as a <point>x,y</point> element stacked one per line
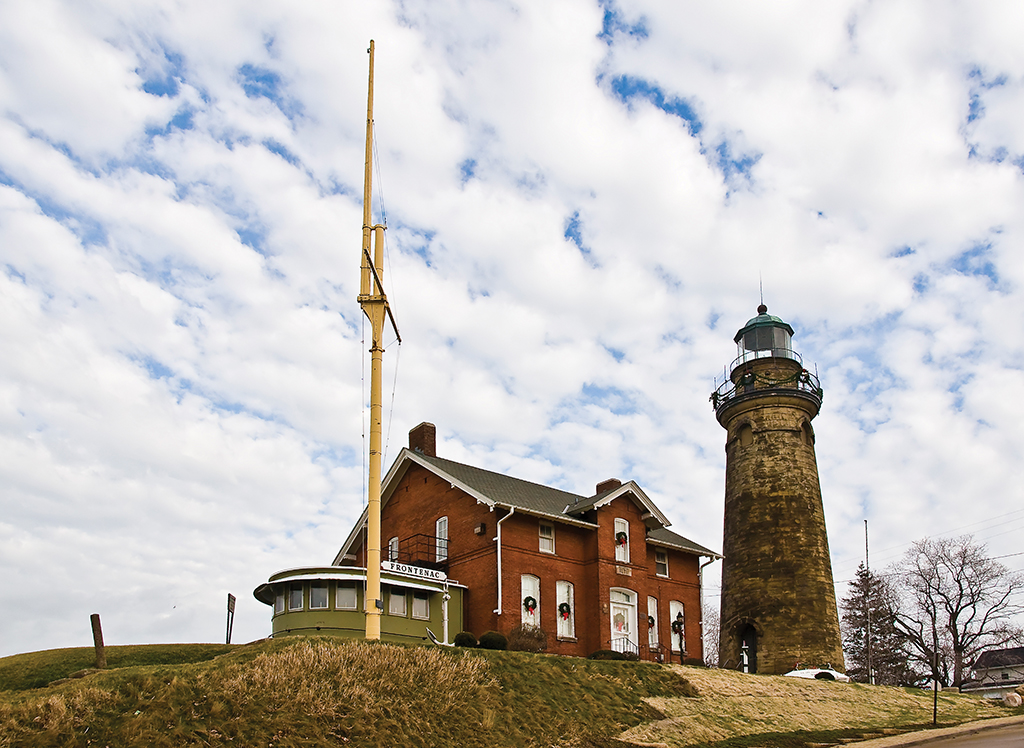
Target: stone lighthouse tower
<point>778,600</point>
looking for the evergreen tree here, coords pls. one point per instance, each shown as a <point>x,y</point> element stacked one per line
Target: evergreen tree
<point>889,653</point>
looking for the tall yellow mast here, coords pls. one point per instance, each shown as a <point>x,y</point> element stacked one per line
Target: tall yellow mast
<point>374,303</point>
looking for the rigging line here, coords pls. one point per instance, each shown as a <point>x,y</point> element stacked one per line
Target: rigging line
<point>364,475</point>
<point>391,410</point>
<point>380,179</point>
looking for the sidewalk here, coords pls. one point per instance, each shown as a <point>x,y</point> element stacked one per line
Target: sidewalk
<point>926,736</point>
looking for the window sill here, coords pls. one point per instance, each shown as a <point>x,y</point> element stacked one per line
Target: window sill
<point>571,639</point>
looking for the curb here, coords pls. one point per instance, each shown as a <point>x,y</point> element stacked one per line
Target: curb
<point>927,736</point>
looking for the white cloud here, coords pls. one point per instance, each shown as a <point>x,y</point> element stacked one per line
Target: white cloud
<point>180,395</point>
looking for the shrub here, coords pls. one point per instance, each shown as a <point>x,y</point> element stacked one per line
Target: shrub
<point>465,639</point>
<point>630,656</point>
<point>527,638</point>
<point>606,654</point>
<point>493,640</point>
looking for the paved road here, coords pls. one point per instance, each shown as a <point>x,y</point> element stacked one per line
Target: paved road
<point>1011,736</point>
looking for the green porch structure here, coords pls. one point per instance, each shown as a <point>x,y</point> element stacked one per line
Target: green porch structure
<point>328,600</point>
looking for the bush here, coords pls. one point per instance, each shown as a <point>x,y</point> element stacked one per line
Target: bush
<point>493,640</point>
<point>465,639</point>
<point>606,654</point>
<point>630,656</point>
<point>527,638</point>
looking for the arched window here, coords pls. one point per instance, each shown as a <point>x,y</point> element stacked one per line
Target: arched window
<point>652,615</point>
<point>565,593</point>
<point>675,609</point>
<point>529,600</point>
<point>746,435</point>
<point>622,541</point>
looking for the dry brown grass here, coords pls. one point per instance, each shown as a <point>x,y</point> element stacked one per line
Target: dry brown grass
<point>732,704</point>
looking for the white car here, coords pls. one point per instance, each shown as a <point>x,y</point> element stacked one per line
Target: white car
<point>818,673</point>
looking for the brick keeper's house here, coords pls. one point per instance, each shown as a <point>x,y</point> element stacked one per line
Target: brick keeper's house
<point>594,572</point>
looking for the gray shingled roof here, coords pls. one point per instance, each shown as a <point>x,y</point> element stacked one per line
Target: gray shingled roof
<point>666,536</point>
<point>503,489</point>
<point>994,658</point>
<point>533,497</point>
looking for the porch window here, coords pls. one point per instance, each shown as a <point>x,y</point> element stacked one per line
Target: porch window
<point>346,596</point>
<point>396,603</point>
<point>318,595</point>
<point>295,597</point>
<point>421,605</point>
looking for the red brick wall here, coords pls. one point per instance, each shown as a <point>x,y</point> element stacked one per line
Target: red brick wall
<point>583,556</point>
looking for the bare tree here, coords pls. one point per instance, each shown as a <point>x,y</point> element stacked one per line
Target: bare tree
<point>954,602</point>
<point>711,621</point>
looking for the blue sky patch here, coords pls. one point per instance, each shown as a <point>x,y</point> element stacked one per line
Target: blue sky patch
<point>168,81</point>
<point>628,88</point>
<point>274,147</point>
<point>977,261</point>
<point>903,251</point>
<point>732,165</point>
<point>574,233</point>
<point>615,23</point>
<point>263,83</point>
<point>88,230</point>
<point>467,169</point>
<point>611,399</point>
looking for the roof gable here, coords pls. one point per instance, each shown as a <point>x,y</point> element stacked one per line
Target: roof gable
<point>497,489</point>
<point>1000,658</point>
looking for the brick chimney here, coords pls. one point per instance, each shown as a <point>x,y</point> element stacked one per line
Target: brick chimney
<point>423,439</point>
<point>607,485</point>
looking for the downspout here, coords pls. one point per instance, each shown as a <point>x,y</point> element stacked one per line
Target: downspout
<point>512,510</point>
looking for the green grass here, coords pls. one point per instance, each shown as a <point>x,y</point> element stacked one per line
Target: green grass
<point>298,691</point>
<point>325,692</point>
<point>38,669</point>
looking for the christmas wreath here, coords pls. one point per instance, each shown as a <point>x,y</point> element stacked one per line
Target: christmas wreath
<point>530,604</point>
<point>677,627</point>
<point>621,538</point>
<point>564,610</point>
<point>650,621</point>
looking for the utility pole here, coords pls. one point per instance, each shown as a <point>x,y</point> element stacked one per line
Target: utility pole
<point>867,604</point>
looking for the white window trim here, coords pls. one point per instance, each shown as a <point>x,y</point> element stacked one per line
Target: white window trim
<point>565,593</point>
<point>665,554</point>
<point>393,549</point>
<point>621,525</point>
<point>327,596</point>
<point>441,539</point>
<point>654,632</point>
<point>676,606</point>
<point>542,538</point>
<point>523,593</point>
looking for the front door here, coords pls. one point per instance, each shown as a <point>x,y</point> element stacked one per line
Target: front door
<point>623,620</point>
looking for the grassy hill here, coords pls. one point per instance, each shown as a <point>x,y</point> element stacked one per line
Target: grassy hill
<point>326,692</point>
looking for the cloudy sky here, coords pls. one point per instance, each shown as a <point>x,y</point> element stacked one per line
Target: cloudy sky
<point>581,196</point>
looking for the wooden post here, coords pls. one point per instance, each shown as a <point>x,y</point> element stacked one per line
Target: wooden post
<point>97,641</point>
<point>231,617</point>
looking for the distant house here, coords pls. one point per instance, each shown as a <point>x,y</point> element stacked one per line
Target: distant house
<point>595,572</point>
<point>996,672</point>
